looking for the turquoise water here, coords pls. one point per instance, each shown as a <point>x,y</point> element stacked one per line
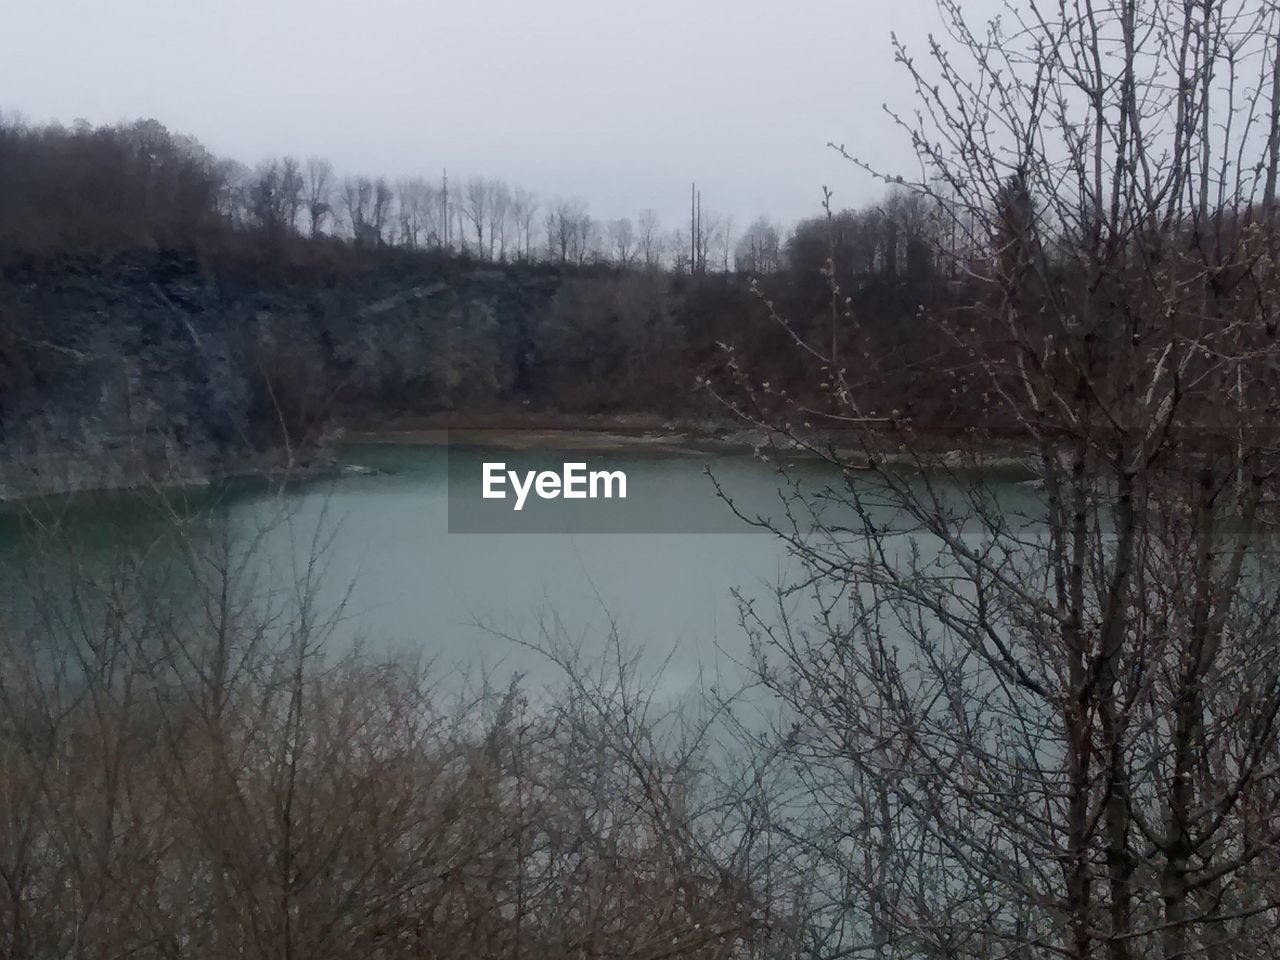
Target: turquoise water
<point>399,580</point>
<point>377,559</point>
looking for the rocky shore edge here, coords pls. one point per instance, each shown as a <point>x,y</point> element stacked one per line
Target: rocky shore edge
<point>46,475</point>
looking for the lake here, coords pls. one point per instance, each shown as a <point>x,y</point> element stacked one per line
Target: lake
<point>404,581</point>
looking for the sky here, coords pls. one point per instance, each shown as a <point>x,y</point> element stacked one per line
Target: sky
<point>619,104</point>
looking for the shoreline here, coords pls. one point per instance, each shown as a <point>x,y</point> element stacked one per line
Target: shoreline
<point>660,435</point>
<point>69,475</point>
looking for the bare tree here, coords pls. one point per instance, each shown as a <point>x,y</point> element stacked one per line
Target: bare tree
<point>650,239</point>
<point>524,208</point>
<point>458,225</point>
<point>499,218</point>
<point>292,186</point>
<point>381,217</point>
<point>680,243</point>
<point>275,195</point>
<point>357,202</point>
<point>562,226</point>
<point>415,207</point>
<point>475,206</point>
<point>622,242</point>
<point>759,251</point>
<point>712,232</point>
<point>585,236</point>
<point>319,194</point>
<point>1042,720</point>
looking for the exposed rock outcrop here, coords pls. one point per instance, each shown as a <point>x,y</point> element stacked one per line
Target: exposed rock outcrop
<point>158,366</point>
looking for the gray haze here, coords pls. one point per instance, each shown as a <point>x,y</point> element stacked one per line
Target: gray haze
<point>619,104</point>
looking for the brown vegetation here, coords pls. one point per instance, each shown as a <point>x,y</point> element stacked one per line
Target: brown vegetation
<point>1049,725</point>
<point>189,773</point>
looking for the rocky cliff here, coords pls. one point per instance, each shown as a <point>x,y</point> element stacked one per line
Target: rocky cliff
<point>163,366</point>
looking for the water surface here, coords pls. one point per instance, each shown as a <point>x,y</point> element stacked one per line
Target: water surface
<point>378,549</point>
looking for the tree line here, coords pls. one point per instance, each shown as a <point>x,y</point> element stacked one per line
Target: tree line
<point>655,305</point>
<point>138,182</point>
<point>86,184</point>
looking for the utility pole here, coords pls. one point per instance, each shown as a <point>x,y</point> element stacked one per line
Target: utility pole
<point>444,201</point>
<point>697,250</point>
<point>693,228</point>
<point>702,246</point>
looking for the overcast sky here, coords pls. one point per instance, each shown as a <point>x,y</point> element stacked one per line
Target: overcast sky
<point>621,104</point>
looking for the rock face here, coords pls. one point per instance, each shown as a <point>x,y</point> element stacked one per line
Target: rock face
<point>159,366</point>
